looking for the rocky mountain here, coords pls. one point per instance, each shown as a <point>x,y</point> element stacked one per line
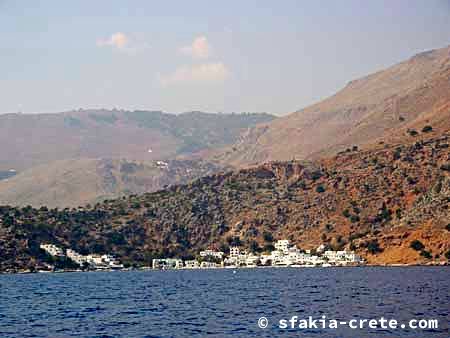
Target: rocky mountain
<point>381,106</point>
<point>380,202</point>
<point>28,140</point>
<point>74,182</point>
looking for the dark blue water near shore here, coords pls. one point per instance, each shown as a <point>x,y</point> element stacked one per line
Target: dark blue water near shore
<point>220,303</point>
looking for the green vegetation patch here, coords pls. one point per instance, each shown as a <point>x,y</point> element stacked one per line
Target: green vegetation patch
<point>104,118</point>
<point>72,122</point>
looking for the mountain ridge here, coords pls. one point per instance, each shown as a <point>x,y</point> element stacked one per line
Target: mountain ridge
<point>56,158</point>
<point>27,140</point>
<point>365,110</point>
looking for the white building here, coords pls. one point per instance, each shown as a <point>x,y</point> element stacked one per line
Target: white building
<point>252,260</point>
<point>96,261</point>
<point>212,253</point>
<point>277,257</point>
<point>191,264</point>
<point>321,248</point>
<point>266,259</point>
<point>112,262</point>
<point>237,257</point>
<point>167,263</point>
<point>354,258</point>
<point>314,260</point>
<point>234,251</point>
<point>342,257</point>
<point>52,250</point>
<point>162,164</point>
<point>209,265</point>
<point>282,245</point>
<point>76,257</point>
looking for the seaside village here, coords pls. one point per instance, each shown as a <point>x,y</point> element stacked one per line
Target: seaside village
<point>93,262</point>
<point>284,255</point>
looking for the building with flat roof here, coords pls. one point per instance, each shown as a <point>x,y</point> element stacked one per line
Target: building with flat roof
<point>52,250</point>
<point>211,253</point>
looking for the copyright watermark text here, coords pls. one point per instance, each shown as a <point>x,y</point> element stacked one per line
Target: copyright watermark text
<point>295,322</point>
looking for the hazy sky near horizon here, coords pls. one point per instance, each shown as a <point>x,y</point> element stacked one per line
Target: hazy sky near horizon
<point>221,56</point>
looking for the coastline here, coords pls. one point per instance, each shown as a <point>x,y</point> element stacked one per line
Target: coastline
<point>438,264</point>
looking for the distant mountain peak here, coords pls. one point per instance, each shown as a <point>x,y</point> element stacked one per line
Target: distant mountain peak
<point>364,111</point>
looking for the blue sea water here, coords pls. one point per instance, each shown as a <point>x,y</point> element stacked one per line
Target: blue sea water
<point>222,303</point>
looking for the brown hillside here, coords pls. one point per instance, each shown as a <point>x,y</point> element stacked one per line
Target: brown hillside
<point>27,140</point>
<point>375,107</point>
<point>75,182</point>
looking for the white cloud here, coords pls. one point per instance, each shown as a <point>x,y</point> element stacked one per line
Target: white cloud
<point>198,49</point>
<point>117,40</point>
<point>124,43</point>
<point>205,73</point>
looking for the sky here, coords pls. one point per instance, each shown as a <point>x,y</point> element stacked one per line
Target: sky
<point>214,56</point>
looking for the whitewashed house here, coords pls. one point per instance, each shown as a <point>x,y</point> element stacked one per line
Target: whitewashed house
<point>282,245</point>
<point>251,260</point>
<point>234,251</point>
<point>209,265</point>
<point>52,250</point>
<point>76,257</point>
<point>212,253</point>
<point>167,263</point>
<point>265,259</point>
<point>321,248</point>
<point>191,264</point>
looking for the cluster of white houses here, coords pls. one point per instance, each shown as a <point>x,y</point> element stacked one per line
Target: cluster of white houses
<point>284,254</point>
<point>93,261</point>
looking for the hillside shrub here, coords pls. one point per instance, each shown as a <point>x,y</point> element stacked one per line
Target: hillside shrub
<point>427,129</point>
<point>234,241</point>
<point>426,254</point>
<point>117,239</point>
<point>268,237</point>
<point>254,246</point>
<point>320,189</point>
<point>374,247</point>
<point>447,254</point>
<point>315,175</point>
<point>417,245</point>
<point>412,132</point>
<point>268,248</point>
<point>354,218</point>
